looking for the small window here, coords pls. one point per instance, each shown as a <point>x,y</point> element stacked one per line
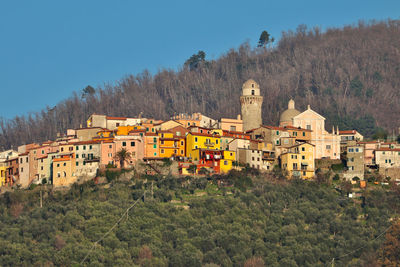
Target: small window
<point>328,146</point>
<point>162,151</point>
<point>58,174</point>
<point>304,133</point>
<point>277,132</point>
<point>303,157</point>
<point>147,129</point>
<point>154,146</point>
<point>90,147</point>
<point>132,143</point>
<point>77,163</point>
<point>252,92</point>
<point>109,146</point>
<point>62,149</point>
<point>303,149</point>
<point>123,143</point>
<point>20,161</point>
<point>162,142</point>
<point>308,127</point>
<point>22,169</point>
<point>155,153</point>
<point>77,148</point>
<point>77,156</point>
<point>225,162</point>
<point>182,152</point>
<point>154,139</point>
<point>58,164</point>
<point>42,151</point>
<point>84,147</point>
<point>181,143</point>
<point>216,141</point>
<point>65,164</point>
<point>195,139</point>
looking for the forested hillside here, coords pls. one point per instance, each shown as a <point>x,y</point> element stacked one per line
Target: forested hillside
<point>194,222</point>
<point>350,75</point>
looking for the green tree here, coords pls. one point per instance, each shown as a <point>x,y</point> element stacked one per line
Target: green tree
<point>196,60</point>
<point>265,39</point>
<point>88,90</point>
<point>122,156</point>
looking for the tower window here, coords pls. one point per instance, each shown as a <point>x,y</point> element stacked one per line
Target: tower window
<point>252,92</point>
<point>252,85</point>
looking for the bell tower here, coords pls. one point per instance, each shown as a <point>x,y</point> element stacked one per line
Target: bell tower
<point>251,103</point>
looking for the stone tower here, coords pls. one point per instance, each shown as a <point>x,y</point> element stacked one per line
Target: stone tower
<point>251,103</point>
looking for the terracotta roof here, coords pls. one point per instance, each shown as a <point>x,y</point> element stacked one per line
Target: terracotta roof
<point>116,118</point>
<point>388,149</point>
<point>62,159</point>
<point>296,128</point>
<point>87,142</point>
<point>42,157</point>
<point>205,134</point>
<point>24,154</point>
<point>348,132</point>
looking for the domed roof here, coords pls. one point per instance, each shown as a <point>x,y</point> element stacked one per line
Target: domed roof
<point>288,114</point>
<point>250,84</point>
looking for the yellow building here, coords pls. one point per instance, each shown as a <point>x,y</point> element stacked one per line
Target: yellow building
<point>171,145</point>
<point>299,161</point>
<point>3,167</point>
<point>196,141</point>
<point>226,163</point>
<point>64,171</point>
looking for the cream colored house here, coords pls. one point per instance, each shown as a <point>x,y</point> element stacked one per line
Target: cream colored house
<point>387,157</point>
<point>327,145</point>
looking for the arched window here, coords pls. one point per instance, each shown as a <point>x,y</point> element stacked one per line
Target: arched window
<point>252,92</point>
<point>65,174</point>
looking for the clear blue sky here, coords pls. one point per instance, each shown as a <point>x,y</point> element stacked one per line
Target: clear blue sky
<point>48,49</point>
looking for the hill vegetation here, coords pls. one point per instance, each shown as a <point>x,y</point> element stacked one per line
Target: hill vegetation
<point>186,221</point>
<point>350,75</point>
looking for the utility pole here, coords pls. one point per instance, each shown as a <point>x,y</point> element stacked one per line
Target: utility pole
<point>41,197</point>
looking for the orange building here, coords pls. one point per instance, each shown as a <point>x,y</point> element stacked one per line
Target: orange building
<point>152,144</point>
<point>64,171</point>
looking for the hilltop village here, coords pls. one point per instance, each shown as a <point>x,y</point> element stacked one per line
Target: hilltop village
<point>299,146</point>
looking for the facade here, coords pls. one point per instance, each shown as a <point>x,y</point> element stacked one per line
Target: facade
<point>64,171</point>
<point>299,161</point>
<point>327,145</point>
<point>134,145</point>
<point>44,167</point>
<point>354,162</point>
<point>204,141</point>
<point>87,158</point>
<point>171,145</point>
<point>251,105</point>
<point>152,145</point>
<point>3,172</point>
<point>232,125</point>
<point>387,157</point>
<point>350,135</point>
<point>24,169</point>
<point>226,164</point>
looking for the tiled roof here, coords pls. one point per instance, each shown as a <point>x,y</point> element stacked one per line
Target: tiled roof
<point>348,132</point>
<point>388,149</point>
<point>116,118</point>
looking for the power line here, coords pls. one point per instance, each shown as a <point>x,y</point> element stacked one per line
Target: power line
<point>126,213</point>
<point>351,252</point>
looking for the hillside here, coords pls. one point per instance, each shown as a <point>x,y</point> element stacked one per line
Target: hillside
<point>350,75</point>
<point>193,222</point>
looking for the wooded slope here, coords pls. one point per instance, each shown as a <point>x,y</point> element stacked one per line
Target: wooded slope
<point>350,75</point>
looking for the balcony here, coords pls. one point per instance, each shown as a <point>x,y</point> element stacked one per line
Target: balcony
<point>208,144</point>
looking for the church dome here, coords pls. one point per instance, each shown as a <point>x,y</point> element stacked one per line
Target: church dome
<point>250,87</point>
<point>287,116</point>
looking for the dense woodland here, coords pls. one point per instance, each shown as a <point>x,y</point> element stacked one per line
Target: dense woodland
<point>350,75</point>
<point>258,220</point>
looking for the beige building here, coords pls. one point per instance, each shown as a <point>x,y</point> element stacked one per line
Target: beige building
<point>327,145</point>
<point>387,157</point>
<point>111,123</point>
<point>87,158</point>
<point>251,105</point>
<point>64,171</point>
<point>355,161</point>
<point>235,125</point>
<point>23,169</point>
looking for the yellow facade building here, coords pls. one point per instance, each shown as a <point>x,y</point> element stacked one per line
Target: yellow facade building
<point>226,163</point>
<point>299,161</point>
<point>171,145</point>
<point>196,141</point>
<point>3,168</point>
<point>64,171</point>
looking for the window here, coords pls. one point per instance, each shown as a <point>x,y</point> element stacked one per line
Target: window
<point>62,149</point>
<point>58,174</point>
<point>117,124</point>
<point>356,149</point>
<point>178,133</point>
<point>252,158</point>
<point>188,123</point>
<point>110,154</point>
<point>231,154</point>
<point>84,147</point>
<point>277,142</point>
<point>175,151</point>
<point>155,153</point>
<point>162,135</point>
<point>233,128</point>
<point>252,92</point>
<point>77,156</point>
<point>42,151</point>
<point>195,139</point>
<point>65,164</point>
<point>182,152</point>
<point>304,173</point>
<point>109,146</point>
<point>58,164</point>
<point>155,140</point>
<point>77,163</point>
<point>147,129</point>
<point>225,162</point>
<point>22,169</point>
<point>216,141</point>
<point>83,156</point>
<point>123,143</point>
<point>162,142</point>
<point>162,151</point>
<point>84,163</point>
<point>27,159</point>
<point>152,129</point>
<point>294,133</point>
<point>328,146</point>
<point>132,143</point>
<point>20,161</point>
<point>304,133</point>
<point>154,146</point>
<point>90,147</point>
<point>181,143</point>
<point>351,150</point>
<point>195,147</point>
<point>277,132</point>
<point>308,127</point>
<point>303,149</point>
<point>303,157</point>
